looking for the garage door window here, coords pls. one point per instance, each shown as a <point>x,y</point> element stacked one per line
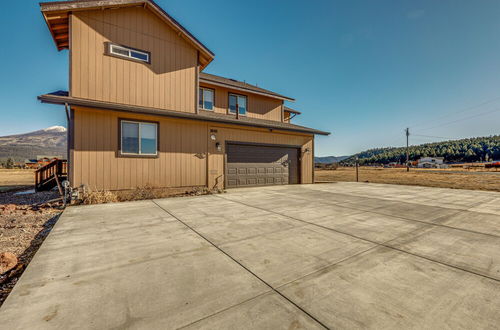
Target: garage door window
<point>139,138</point>
<point>239,101</point>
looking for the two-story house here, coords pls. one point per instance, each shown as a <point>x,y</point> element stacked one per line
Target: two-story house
<point>142,112</point>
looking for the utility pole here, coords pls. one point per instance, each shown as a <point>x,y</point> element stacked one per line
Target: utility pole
<point>407,130</point>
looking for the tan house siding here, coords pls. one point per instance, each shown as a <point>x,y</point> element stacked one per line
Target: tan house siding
<point>186,153</point>
<point>181,161</point>
<point>168,82</point>
<point>259,106</point>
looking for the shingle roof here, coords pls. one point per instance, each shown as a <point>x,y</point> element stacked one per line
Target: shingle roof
<point>211,78</point>
<point>61,97</point>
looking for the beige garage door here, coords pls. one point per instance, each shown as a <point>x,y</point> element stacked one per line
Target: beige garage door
<point>259,165</point>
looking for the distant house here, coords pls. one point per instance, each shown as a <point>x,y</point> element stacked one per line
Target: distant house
<point>31,163</point>
<point>431,162</point>
<point>40,161</point>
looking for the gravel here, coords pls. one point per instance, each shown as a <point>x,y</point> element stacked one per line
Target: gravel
<point>25,221</point>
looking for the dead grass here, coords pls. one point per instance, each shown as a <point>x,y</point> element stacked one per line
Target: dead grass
<point>420,177</point>
<point>87,196</point>
<point>16,178</point>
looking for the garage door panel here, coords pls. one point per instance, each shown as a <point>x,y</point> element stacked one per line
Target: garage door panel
<point>249,165</point>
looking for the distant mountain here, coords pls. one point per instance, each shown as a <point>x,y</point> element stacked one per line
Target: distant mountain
<point>50,141</point>
<point>329,159</point>
<point>463,150</point>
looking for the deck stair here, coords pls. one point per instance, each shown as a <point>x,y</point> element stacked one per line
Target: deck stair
<point>51,175</point>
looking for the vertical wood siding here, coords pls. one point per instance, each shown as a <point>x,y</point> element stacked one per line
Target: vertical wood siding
<point>258,106</point>
<point>168,82</point>
<point>186,153</point>
<point>181,162</point>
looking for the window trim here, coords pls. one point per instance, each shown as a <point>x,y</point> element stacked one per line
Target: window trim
<point>213,98</point>
<point>228,104</point>
<point>109,45</point>
<point>119,152</point>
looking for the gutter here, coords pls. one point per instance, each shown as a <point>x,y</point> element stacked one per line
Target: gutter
<point>72,101</point>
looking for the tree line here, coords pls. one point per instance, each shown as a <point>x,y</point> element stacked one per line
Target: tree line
<point>464,150</point>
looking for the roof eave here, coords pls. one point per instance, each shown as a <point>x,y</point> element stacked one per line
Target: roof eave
<point>293,111</point>
<point>55,99</point>
<point>79,5</point>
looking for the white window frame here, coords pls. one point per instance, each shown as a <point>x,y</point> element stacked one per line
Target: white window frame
<point>129,50</point>
<point>229,104</point>
<point>202,102</point>
<point>139,137</point>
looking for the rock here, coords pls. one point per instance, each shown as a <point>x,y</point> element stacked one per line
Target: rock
<point>8,261</point>
<point>8,208</point>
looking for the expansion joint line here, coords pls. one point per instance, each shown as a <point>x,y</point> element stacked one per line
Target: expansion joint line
<point>367,240</point>
<point>241,265</point>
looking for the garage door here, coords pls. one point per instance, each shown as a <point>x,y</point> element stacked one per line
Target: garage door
<point>250,165</point>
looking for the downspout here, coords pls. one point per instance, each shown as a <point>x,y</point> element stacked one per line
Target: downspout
<point>66,107</point>
<point>69,144</point>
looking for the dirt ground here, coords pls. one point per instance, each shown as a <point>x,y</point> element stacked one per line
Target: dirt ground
<point>25,221</point>
<point>446,178</point>
<point>15,179</point>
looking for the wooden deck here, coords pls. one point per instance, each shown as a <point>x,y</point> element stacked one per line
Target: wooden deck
<point>51,175</point>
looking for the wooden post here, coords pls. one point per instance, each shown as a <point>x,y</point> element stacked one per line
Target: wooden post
<point>357,167</point>
<point>407,151</point>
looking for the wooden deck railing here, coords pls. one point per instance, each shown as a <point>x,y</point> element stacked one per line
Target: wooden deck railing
<point>51,175</point>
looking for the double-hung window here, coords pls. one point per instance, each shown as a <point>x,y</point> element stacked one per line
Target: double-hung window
<point>237,101</point>
<point>130,53</point>
<point>139,138</point>
<point>206,98</point>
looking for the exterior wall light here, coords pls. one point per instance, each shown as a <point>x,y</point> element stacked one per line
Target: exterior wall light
<point>213,137</point>
<point>218,146</point>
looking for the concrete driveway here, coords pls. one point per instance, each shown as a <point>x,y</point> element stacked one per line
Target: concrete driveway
<point>343,255</point>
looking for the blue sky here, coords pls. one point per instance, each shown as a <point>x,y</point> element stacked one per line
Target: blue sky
<point>363,70</point>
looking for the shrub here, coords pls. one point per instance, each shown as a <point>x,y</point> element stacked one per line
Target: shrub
<point>97,197</point>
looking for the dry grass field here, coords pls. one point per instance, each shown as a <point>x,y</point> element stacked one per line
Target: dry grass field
<point>446,178</point>
<point>15,178</point>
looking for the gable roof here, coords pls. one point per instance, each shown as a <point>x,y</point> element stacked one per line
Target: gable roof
<point>56,15</point>
<point>239,85</point>
<point>61,97</point>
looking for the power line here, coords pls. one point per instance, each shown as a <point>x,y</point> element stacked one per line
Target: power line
<point>460,111</point>
<point>459,120</point>
<point>435,137</point>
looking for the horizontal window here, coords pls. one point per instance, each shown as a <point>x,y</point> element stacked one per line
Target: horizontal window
<point>206,99</point>
<point>130,53</point>
<point>139,138</point>
<point>238,102</point>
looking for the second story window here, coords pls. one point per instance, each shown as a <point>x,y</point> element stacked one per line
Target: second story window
<point>239,101</point>
<point>130,53</point>
<point>206,98</point>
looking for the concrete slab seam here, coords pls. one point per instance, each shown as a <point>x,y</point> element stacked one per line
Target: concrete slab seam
<point>388,246</point>
<point>244,267</point>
